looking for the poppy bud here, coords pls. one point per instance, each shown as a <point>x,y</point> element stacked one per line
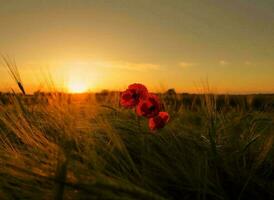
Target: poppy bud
<point>159,121</point>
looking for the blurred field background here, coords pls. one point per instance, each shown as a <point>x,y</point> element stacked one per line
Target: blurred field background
<point>85,146</point>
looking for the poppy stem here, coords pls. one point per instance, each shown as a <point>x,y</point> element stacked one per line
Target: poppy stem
<point>139,123</point>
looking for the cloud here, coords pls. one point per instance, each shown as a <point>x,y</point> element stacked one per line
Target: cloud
<point>223,62</point>
<point>138,66</point>
<point>186,64</point>
<point>248,63</point>
<point>131,66</point>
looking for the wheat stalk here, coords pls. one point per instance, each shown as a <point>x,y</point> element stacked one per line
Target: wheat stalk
<point>14,72</point>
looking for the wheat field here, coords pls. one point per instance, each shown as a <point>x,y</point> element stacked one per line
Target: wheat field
<point>61,146</point>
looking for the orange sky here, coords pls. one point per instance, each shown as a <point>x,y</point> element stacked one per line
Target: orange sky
<point>163,44</point>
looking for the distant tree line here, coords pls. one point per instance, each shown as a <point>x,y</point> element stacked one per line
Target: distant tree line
<point>194,102</point>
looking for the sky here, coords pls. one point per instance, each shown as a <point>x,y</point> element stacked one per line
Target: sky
<point>100,44</point>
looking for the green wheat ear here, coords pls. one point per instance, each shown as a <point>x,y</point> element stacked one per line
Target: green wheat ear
<point>13,71</point>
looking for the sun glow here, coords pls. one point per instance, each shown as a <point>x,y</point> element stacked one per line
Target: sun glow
<point>77,87</point>
<point>80,76</point>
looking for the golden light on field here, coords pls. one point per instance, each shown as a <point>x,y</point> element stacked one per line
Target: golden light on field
<point>77,87</point>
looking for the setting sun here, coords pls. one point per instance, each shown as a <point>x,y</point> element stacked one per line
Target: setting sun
<point>77,87</point>
<point>77,79</point>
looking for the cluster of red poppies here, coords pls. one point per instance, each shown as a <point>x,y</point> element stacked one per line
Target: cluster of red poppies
<point>147,105</point>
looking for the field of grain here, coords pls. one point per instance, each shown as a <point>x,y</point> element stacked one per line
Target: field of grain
<point>60,146</point>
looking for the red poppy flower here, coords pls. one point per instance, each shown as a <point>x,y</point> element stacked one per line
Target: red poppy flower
<point>149,107</point>
<point>159,121</point>
<point>132,96</point>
